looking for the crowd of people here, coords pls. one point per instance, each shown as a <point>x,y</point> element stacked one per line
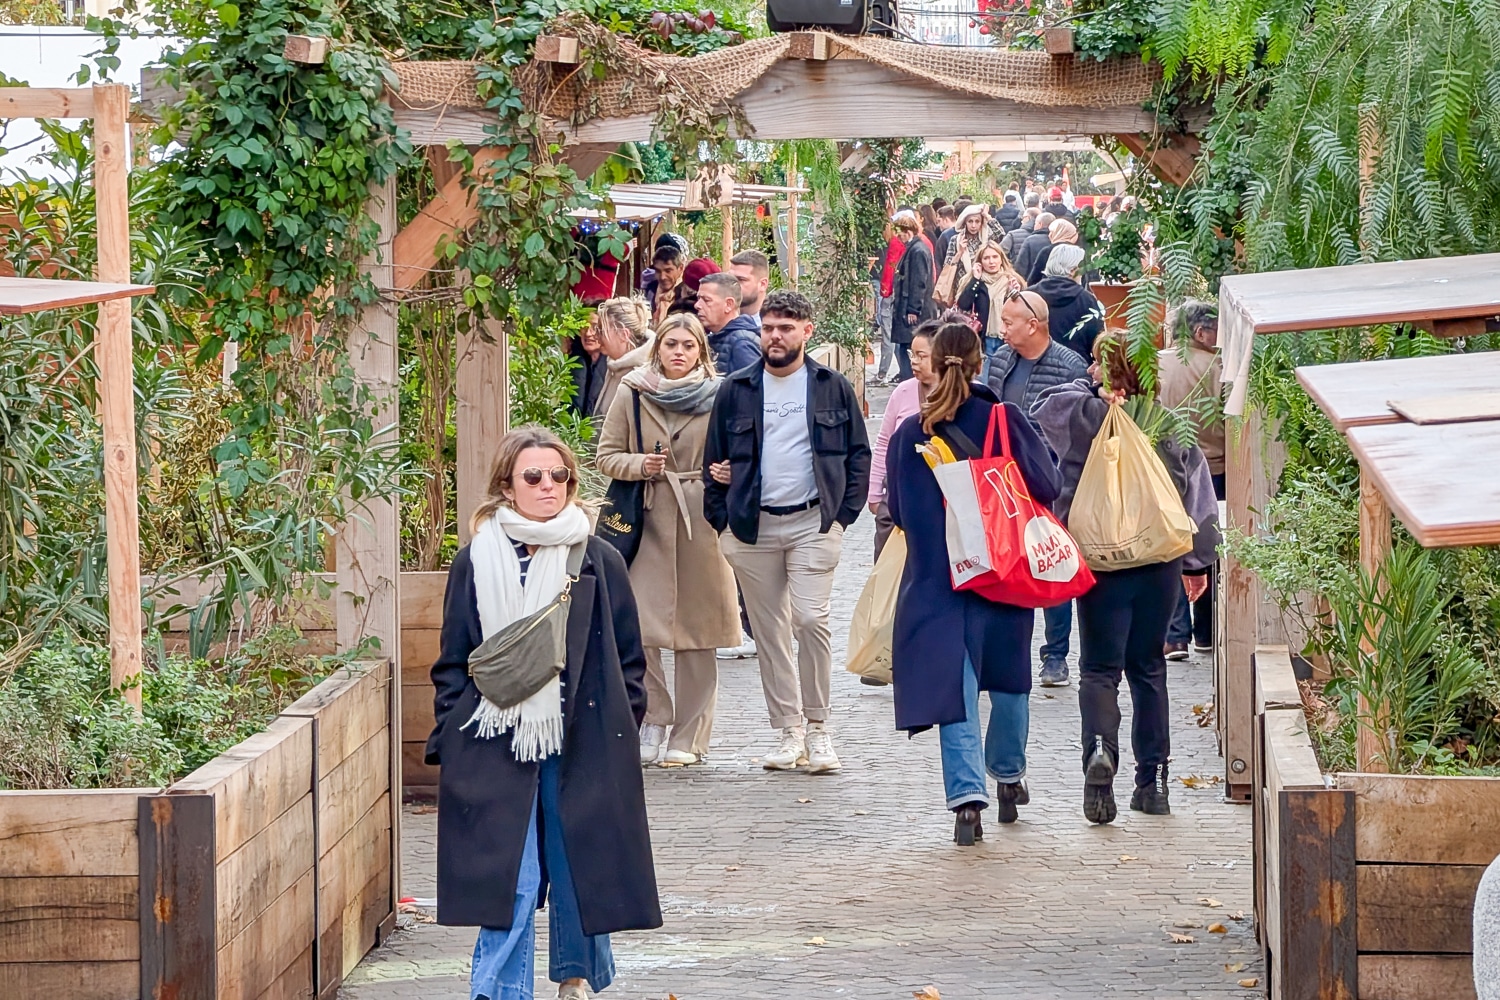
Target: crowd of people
<point>551,686</point>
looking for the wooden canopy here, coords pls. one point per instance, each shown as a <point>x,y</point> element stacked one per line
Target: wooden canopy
<point>1362,392</point>
<point>1451,296</point>
<point>28,295</point>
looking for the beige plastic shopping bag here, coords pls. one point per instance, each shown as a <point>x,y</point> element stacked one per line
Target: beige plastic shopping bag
<point>1126,512</point>
<point>870,631</point>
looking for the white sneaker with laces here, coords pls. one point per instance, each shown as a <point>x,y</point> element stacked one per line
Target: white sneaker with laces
<point>679,758</point>
<point>652,737</point>
<point>820,756</point>
<point>743,651</point>
<point>790,753</point>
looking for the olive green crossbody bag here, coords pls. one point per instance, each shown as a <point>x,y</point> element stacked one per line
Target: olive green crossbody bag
<point>520,659</point>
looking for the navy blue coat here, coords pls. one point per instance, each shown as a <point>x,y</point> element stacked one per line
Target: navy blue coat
<point>936,625</point>
<point>736,346</point>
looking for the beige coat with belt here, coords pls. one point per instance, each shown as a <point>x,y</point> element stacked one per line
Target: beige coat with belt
<point>683,586</point>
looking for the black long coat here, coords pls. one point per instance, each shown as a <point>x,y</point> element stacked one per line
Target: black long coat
<point>485,795</point>
<point>936,625</point>
<point>912,293</point>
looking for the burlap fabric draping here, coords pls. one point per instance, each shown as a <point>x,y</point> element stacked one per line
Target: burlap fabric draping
<point>640,78</point>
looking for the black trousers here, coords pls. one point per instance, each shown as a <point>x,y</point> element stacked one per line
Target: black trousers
<point>1122,624</point>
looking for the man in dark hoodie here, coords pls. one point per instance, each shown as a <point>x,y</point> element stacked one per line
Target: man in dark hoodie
<point>1074,317</point>
<point>1009,213</point>
<point>1033,244</point>
<point>733,337</point>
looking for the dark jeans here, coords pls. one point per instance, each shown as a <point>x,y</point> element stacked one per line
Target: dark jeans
<point>1059,627</point>
<point>1122,624</point>
<point>1194,620</point>
<point>883,528</point>
<point>903,362</point>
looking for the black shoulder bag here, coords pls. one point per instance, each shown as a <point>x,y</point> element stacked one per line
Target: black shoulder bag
<point>622,515</point>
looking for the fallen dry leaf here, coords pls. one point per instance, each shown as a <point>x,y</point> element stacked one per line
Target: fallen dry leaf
<point>928,993</point>
<point>1209,901</point>
<point>1235,967</point>
<point>732,868</point>
<point>1187,924</point>
<point>1249,984</point>
<point>1193,781</point>
<point>1181,938</point>
<point>1217,929</point>
<point>804,801</point>
<point>423,810</point>
<point>1237,915</point>
<point>1129,857</point>
<point>861,812</point>
<point>817,942</point>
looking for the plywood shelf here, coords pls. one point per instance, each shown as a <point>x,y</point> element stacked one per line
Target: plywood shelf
<point>19,296</point>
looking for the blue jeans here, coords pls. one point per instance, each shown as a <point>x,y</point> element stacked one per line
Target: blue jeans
<point>1059,626</point>
<point>504,964</point>
<point>1003,752</point>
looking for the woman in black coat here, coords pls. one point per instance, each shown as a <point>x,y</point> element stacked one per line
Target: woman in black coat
<point>549,801</point>
<point>950,645</point>
<point>911,299</point>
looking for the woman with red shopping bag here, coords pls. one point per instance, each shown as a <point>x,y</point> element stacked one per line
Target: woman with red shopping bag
<point>951,644</point>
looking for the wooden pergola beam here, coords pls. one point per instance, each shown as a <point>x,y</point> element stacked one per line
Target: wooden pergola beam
<point>1172,157</point>
<point>45,102</point>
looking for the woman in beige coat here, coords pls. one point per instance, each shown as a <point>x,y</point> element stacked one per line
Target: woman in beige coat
<point>684,587</point>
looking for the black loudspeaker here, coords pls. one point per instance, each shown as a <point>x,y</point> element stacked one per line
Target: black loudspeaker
<point>846,17</point>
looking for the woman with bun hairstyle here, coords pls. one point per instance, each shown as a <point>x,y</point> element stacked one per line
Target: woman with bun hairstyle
<point>950,645</point>
<point>624,326</point>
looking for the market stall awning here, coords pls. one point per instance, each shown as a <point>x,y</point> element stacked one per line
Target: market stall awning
<point>1441,480</point>
<point>1436,291</point>
<point>1361,392</point>
<point>29,295</point>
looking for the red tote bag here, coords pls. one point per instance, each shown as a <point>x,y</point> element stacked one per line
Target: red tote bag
<point>1002,544</point>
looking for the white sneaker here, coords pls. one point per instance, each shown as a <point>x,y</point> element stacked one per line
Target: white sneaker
<point>680,758</point>
<point>790,753</point>
<point>820,756</point>
<point>652,737</point>
<point>743,651</point>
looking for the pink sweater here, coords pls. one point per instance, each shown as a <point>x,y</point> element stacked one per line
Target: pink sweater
<point>905,401</point>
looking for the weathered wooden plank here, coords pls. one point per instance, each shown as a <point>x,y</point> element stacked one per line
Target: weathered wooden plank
<point>422,599</point>
<point>1423,820</point>
<point>1428,476</point>
<point>418,778</point>
<point>309,50</point>
<point>350,706</point>
<point>296,983</point>
<point>73,980</point>
<point>265,866</point>
<point>47,102</point>
<point>448,215</point>
<point>1416,977</point>
<point>1290,761</point>
<point>347,792</point>
<point>355,883</point>
<point>1450,409</point>
<point>1417,908</point>
<point>177,897</point>
<point>70,832</point>
<point>19,296</point>
<point>416,712</point>
<point>250,963</point>
<point>1275,680</point>
<point>77,919</point>
<point>419,651</point>
<point>556,49</point>
<point>255,781</point>
<point>482,416</point>
<point>1315,956</point>
<point>1356,393</point>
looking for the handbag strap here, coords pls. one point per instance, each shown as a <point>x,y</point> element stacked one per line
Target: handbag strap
<point>999,424</point>
<point>640,448</point>
<point>576,553</point>
<point>960,442</point>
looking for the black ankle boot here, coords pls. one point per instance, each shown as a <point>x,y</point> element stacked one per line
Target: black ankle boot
<point>966,825</point>
<point>1007,797</point>
<point>1098,785</point>
<point>1152,799</point>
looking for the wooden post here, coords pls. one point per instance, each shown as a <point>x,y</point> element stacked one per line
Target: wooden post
<point>368,547</point>
<point>726,212</point>
<point>178,896</point>
<point>1374,546</point>
<point>113,355</point>
<point>966,156</point>
<point>793,180</point>
<point>483,390</point>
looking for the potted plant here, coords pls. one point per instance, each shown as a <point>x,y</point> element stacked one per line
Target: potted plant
<point>1115,256</point>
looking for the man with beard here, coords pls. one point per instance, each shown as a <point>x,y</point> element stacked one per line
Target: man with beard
<point>786,469</point>
<point>753,269</point>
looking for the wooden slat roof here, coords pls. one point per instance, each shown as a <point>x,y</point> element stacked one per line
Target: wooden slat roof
<point>1358,393</point>
<point>29,295</point>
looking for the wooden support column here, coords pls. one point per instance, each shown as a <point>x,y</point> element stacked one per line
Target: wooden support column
<point>727,245</point>
<point>114,357</point>
<point>1374,546</point>
<point>966,156</point>
<point>368,547</point>
<point>793,180</point>
<point>483,390</point>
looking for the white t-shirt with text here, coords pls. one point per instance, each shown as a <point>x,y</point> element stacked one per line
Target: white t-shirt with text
<point>786,463</point>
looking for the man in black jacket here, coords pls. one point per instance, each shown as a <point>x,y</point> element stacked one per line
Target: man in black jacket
<point>1028,362</point>
<point>786,468</point>
<point>911,302</point>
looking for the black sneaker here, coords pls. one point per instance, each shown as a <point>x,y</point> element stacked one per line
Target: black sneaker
<point>1152,799</point>
<point>1054,672</point>
<point>1007,797</point>
<point>1098,785</point>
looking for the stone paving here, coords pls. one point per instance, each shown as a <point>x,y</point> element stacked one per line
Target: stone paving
<point>782,885</point>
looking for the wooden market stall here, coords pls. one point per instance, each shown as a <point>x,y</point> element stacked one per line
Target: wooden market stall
<point>1449,297</point>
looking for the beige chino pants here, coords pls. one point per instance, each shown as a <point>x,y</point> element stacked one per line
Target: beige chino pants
<point>787,580</point>
<point>691,714</point>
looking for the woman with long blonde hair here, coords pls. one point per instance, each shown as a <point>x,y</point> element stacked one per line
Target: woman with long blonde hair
<point>540,796</point>
<point>983,295</point>
<point>656,431</point>
<point>950,645</point>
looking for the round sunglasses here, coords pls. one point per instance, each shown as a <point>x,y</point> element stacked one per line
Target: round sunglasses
<point>533,477</point>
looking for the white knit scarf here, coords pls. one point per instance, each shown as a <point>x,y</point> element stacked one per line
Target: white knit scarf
<point>538,721</point>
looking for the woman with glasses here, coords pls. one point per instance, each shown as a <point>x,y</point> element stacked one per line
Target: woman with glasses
<point>541,800</point>
<point>655,431</point>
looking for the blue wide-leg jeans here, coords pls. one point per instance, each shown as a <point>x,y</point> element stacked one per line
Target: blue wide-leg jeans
<point>1002,752</point>
<point>504,964</point>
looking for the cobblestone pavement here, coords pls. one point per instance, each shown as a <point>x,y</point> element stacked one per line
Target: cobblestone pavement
<point>786,885</point>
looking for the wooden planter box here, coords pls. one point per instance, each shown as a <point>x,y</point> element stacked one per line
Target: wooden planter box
<point>268,872</point>
<point>1364,883</point>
